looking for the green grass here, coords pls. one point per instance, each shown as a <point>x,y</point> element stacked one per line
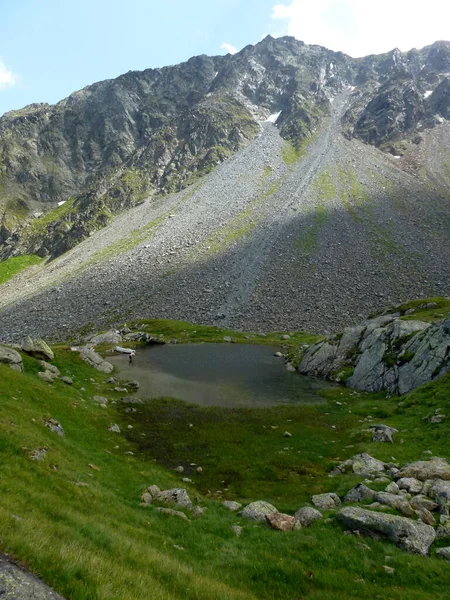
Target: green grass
<point>292,153</point>
<point>96,542</point>
<point>15,264</point>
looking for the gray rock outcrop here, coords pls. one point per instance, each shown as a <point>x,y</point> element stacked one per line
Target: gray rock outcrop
<point>385,353</point>
<point>435,468</point>
<point>93,359</point>
<point>37,348</point>
<point>11,357</point>
<point>413,536</point>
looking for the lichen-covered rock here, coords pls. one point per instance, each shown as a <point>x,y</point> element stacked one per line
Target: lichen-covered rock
<point>307,515</point>
<point>327,501</point>
<point>18,584</point>
<point>439,491</point>
<point>364,464</point>
<point>37,348</point>
<point>383,433</point>
<point>54,426</point>
<point>420,501</point>
<point>258,510</point>
<point>443,553</point>
<point>11,357</point>
<point>413,536</point>
<point>435,468</point>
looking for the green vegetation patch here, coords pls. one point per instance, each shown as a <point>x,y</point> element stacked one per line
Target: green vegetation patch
<point>15,264</point>
<point>69,516</point>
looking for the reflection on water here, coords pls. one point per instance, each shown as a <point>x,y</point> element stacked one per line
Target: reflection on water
<point>232,375</point>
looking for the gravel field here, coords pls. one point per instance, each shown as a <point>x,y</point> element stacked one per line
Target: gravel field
<point>257,244</point>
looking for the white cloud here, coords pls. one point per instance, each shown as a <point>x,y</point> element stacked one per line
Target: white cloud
<point>7,77</point>
<point>229,48</point>
<point>359,28</point>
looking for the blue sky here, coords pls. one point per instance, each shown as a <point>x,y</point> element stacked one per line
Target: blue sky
<point>50,48</point>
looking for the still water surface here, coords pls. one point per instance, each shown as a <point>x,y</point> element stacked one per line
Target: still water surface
<point>231,375</point>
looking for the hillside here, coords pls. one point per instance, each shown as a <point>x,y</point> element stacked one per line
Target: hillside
<point>339,207</point>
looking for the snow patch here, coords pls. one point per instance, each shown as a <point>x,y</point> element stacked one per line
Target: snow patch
<point>273,117</point>
<point>215,74</point>
<point>62,202</point>
<point>428,93</point>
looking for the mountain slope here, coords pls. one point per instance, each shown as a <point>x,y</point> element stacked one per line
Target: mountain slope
<point>301,228</point>
<point>257,244</point>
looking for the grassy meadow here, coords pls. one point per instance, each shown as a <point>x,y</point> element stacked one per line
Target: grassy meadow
<point>75,518</point>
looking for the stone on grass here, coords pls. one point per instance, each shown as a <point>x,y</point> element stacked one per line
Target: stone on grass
<point>383,433</point>
<point>307,515</point>
<point>435,468</point>
<point>358,493</point>
<point>67,380</point>
<point>37,348</point>
<point>48,367</point>
<point>443,553</point>
<point>114,428</point>
<point>231,505</point>
<point>413,536</point>
<point>54,426</point>
<point>172,513</point>
<point>364,464</point>
<point>47,376</point>
<point>282,522</point>
<point>258,510</point>
<point>177,497</point>
<point>112,337</point>
<point>237,530</point>
<point>11,357</point>
<point>326,501</point>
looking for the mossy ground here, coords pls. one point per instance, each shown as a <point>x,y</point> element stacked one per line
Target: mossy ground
<point>94,541</point>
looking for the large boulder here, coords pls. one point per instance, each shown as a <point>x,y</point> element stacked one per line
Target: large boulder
<point>440,493</point>
<point>282,522</point>
<point>258,510</point>
<point>11,357</point>
<point>326,501</point>
<point>364,464</point>
<point>307,515</point>
<point>358,493</point>
<point>95,360</point>
<point>37,348</point>
<point>435,468</point>
<point>177,497</point>
<point>413,536</point>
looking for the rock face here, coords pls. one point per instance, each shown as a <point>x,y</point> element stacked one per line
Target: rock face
<point>11,357</point>
<point>18,584</point>
<point>385,353</point>
<point>413,536</point>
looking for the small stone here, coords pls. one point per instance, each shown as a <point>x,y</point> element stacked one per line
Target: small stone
<point>67,380</point>
<point>287,434</point>
<point>179,469</point>
<point>199,470</point>
<point>237,530</point>
<point>278,354</point>
<point>282,522</point>
<point>172,513</point>
<point>231,505</point>
<point>443,553</point>
<point>389,570</point>
<point>54,426</point>
<point>114,428</point>
<point>197,511</point>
